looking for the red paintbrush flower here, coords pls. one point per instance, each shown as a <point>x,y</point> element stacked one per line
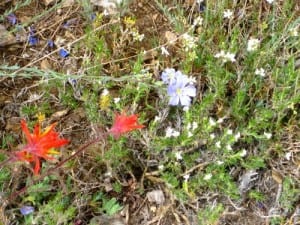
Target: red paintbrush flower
<point>124,124</point>
<point>40,145</point>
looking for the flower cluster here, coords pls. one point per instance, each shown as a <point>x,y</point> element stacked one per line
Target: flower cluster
<point>189,42</point>
<point>180,87</point>
<point>227,14</point>
<point>253,44</point>
<point>261,72</point>
<point>170,132</point>
<point>41,145</point>
<point>225,56</point>
<point>104,100</point>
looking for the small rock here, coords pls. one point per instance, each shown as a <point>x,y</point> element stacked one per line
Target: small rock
<point>13,124</point>
<point>68,3</point>
<point>171,37</point>
<point>48,2</point>
<point>247,180</point>
<point>156,196</point>
<point>110,6</point>
<point>106,220</point>
<point>45,65</point>
<point>57,115</point>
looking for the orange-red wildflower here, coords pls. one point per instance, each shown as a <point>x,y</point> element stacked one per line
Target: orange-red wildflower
<point>123,124</point>
<point>40,145</point>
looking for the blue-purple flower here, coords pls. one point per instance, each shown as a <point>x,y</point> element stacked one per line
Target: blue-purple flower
<point>26,210</point>
<point>12,19</point>
<point>63,53</point>
<point>32,38</point>
<point>50,43</point>
<point>181,91</point>
<point>180,87</point>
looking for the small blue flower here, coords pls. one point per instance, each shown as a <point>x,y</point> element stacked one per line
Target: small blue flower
<point>73,82</point>
<point>12,18</point>
<point>65,25</point>
<point>50,43</point>
<point>181,90</point>
<point>93,16</point>
<point>202,7</point>
<point>63,53</point>
<point>69,23</point>
<point>26,210</point>
<point>32,40</point>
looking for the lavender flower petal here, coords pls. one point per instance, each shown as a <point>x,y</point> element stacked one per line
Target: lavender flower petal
<point>26,210</point>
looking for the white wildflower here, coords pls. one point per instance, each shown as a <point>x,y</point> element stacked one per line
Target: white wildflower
<point>230,57</point>
<point>227,14</point>
<point>294,32</point>
<point>105,12</point>
<point>260,72</point>
<point>225,56</point>
<point>116,100</point>
<point>186,108</point>
<point>188,126</point>
<point>212,136</point>
<point>218,144</point>
<point>288,156</point>
<point>267,135</point>
<point>192,80</point>
<point>176,133</point>
<point>186,177</point>
<point>190,134</point>
<point>198,21</point>
<point>161,167</point>
<point>220,162</point>
<point>243,153</point>
<point>229,132</point>
<point>237,136</point>
<point>188,42</point>
<point>194,126</point>
<point>228,147</point>
<point>207,176</point>
<point>220,120</point>
<point>164,51</point>
<point>105,92</point>
<point>220,54</point>
<point>178,156</point>
<point>253,44</point>
<point>156,119</point>
<point>170,132</point>
<point>212,122</point>
<point>270,1</point>
<point>136,36</point>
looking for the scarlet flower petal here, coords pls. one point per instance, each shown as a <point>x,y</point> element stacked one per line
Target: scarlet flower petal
<point>25,130</point>
<point>37,166</point>
<point>124,124</point>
